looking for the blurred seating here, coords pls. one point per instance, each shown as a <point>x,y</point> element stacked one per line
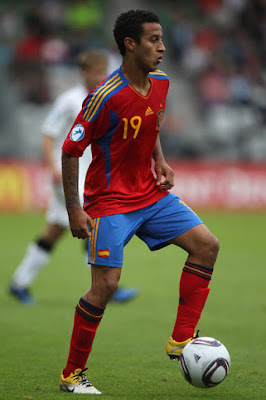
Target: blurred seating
<point>216,61</point>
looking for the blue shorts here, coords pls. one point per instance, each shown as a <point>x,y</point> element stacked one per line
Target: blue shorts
<point>155,225</point>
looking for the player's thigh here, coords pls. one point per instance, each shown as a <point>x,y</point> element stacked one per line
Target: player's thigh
<point>195,239</point>
<point>169,218</point>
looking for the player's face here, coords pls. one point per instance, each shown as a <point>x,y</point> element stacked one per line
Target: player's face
<point>94,75</point>
<point>149,52</point>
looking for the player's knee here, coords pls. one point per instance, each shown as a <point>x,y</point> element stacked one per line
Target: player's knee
<point>104,291</point>
<point>214,246</point>
<point>209,250</point>
<point>206,250</point>
<point>111,285</point>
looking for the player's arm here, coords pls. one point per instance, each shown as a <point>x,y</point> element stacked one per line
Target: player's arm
<point>79,220</point>
<point>48,153</point>
<point>164,173</point>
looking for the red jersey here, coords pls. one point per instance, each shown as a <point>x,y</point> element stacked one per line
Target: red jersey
<point>122,127</point>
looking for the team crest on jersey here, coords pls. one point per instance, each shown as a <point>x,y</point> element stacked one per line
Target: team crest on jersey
<point>77,133</point>
<point>160,114</point>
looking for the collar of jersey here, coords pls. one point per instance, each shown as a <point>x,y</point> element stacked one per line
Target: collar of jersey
<point>131,87</point>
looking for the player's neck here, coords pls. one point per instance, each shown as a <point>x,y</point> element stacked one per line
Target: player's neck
<point>137,78</point>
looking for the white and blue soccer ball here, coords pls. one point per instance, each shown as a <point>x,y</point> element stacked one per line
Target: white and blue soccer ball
<point>205,362</point>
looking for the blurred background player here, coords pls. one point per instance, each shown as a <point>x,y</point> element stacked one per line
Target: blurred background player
<point>93,67</point>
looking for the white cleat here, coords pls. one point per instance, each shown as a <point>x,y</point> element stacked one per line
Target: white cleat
<point>77,382</point>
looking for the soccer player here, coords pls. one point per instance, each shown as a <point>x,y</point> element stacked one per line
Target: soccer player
<point>93,66</point>
<point>121,119</point>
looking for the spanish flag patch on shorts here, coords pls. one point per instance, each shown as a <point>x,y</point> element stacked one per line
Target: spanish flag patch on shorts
<point>103,253</point>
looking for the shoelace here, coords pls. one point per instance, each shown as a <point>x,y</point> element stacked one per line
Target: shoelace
<point>84,380</point>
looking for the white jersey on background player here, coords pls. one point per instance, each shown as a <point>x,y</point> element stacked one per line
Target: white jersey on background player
<point>61,116</point>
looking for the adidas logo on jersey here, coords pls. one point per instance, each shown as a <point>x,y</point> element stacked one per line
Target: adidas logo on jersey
<point>148,112</point>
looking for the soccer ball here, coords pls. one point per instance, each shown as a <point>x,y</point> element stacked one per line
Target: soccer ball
<point>205,362</point>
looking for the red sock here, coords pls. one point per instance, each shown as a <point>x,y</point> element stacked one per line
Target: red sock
<point>193,291</point>
<point>86,321</point>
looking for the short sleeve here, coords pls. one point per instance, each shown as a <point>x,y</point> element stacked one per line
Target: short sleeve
<point>83,133</point>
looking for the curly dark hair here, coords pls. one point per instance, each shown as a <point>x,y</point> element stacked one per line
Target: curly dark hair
<point>130,24</point>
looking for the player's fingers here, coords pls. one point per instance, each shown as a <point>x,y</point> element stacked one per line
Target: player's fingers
<point>169,180</point>
<point>167,185</point>
<point>81,233</point>
<point>90,224</point>
<point>159,177</point>
<point>170,177</point>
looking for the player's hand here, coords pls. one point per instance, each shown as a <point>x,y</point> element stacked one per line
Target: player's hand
<point>164,175</point>
<point>80,223</point>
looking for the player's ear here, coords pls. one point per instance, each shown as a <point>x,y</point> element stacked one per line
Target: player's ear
<point>129,43</point>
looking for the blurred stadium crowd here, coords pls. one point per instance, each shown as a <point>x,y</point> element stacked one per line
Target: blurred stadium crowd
<point>216,62</point>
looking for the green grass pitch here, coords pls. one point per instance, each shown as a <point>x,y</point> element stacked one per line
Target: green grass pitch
<point>128,360</point>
